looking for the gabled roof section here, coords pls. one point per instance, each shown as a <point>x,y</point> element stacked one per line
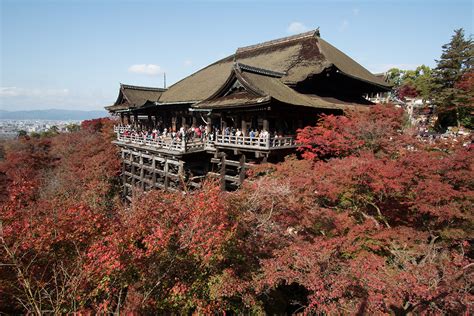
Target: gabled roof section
<point>295,57</point>
<point>263,85</point>
<point>134,97</point>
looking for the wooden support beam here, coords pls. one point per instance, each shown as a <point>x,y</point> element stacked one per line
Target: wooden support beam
<point>153,177</point>
<point>223,170</point>
<point>209,124</point>
<point>132,169</point>
<point>244,126</point>
<point>242,169</point>
<point>173,123</point>
<point>124,176</point>
<point>135,120</point>
<point>166,168</point>
<point>142,171</point>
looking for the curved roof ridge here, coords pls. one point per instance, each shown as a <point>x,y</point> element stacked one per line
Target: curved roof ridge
<point>128,86</point>
<point>258,70</point>
<point>309,34</point>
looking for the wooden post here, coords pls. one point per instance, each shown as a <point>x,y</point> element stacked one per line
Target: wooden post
<point>266,124</point>
<point>142,173</point>
<point>132,166</point>
<point>153,176</point>
<point>150,122</point>
<point>223,170</point>
<point>128,119</point>
<point>135,120</point>
<point>165,121</point>
<point>183,121</point>
<point>122,118</point>
<point>181,175</point>
<point>244,127</point>
<point>194,121</point>
<point>166,167</point>
<point>173,123</point>
<point>183,143</point>
<point>124,176</point>
<point>209,125</point>
<point>242,169</point>
<point>223,122</point>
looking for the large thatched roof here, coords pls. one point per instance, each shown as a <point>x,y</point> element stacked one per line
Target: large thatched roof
<point>298,57</point>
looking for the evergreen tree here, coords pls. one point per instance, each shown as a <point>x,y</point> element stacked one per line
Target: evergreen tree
<point>456,61</point>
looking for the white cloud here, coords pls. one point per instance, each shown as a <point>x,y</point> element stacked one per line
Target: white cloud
<point>344,25</point>
<point>146,69</point>
<point>188,62</point>
<point>34,92</point>
<point>355,11</point>
<point>296,27</point>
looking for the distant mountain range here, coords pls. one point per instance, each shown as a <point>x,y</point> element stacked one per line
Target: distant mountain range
<point>52,114</point>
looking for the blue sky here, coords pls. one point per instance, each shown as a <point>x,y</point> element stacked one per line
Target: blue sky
<point>73,54</point>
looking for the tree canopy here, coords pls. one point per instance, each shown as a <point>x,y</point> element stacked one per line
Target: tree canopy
<point>370,220</point>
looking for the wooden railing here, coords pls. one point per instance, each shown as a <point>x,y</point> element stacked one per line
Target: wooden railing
<point>198,144</point>
<point>121,129</point>
<point>167,143</point>
<point>256,142</point>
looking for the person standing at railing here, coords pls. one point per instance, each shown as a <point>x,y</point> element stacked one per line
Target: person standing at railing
<point>252,136</point>
<point>197,132</point>
<point>238,135</point>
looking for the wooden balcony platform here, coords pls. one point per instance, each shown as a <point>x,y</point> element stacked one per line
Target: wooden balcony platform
<point>177,147</point>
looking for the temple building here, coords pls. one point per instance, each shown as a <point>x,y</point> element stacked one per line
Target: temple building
<point>238,111</point>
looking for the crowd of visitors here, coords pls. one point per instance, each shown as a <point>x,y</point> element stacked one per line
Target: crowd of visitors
<point>228,134</point>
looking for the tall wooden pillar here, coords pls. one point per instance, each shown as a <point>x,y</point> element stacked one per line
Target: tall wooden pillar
<point>122,119</point>
<point>165,120</point>
<point>194,121</point>
<point>173,123</point>
<point>242,169</point>
<point>209,124</point>
<point>128,119</point>
<point>135,120</point>
<point>223,170</point>
<point>150,122</point>
<point>244,126</point>
<point>223,122</point>
<point>183,121</point>
<point>266,123</point>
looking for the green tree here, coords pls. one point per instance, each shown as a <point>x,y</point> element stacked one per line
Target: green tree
<point>395,77</point>
<point>419,80</point>
<point>456,60</point>
<point>73,127</point>
<point>22,133</point>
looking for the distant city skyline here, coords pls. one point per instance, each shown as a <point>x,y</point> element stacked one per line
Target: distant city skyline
<point>73,54</point>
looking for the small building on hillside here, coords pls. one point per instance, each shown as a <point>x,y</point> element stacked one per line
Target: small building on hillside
<point>238,111</point>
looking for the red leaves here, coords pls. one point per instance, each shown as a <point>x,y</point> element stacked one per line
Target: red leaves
<point>328,139</point>
<point>407,91</point>
<point>375,222</point>
<point>377,130</point>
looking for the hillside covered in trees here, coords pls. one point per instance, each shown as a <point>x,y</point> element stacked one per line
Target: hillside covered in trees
<point>367,218</point>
